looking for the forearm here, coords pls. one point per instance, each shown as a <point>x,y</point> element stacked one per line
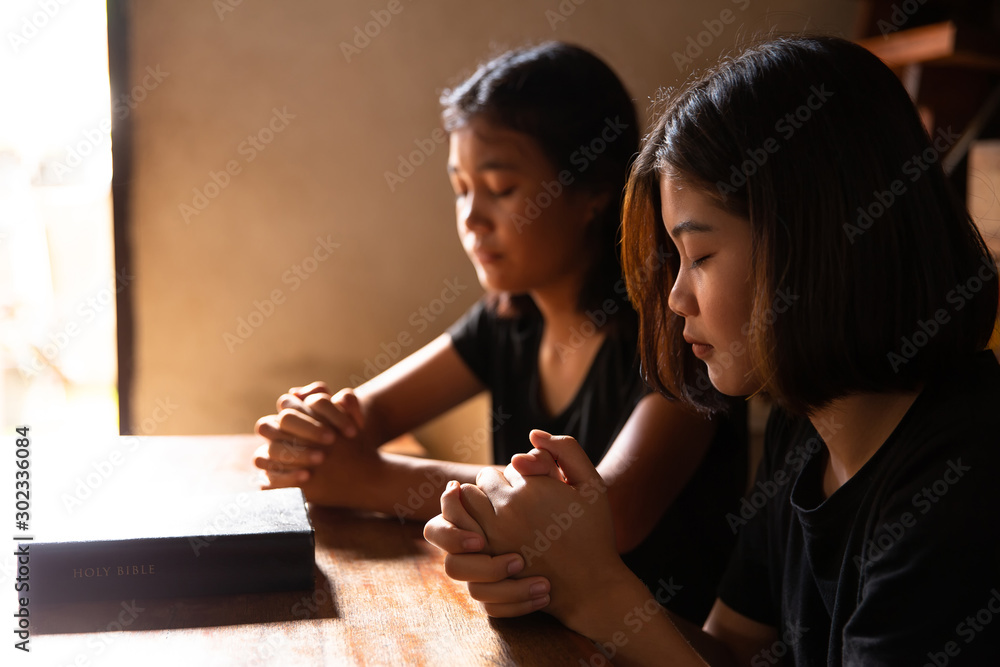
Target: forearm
<point>629,623</point>
<point>409,487</point>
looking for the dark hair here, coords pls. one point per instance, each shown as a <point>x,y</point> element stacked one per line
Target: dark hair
<point>565,98</point>
<point>817,144</point>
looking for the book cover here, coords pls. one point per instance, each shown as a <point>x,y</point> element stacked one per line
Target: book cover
<point>251,542</point>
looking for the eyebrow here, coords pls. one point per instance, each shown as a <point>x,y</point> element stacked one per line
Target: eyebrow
<point>690,227</point>
<point>491,165</point>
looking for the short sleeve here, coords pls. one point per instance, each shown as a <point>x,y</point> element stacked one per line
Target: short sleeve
<point>472,336</point>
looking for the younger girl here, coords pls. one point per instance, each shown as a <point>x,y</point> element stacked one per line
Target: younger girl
<point>870,538</point>
<point>540,141</point>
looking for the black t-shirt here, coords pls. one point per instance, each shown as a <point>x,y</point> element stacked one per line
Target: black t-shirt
<point>503,353</point>
<point>900,565</point>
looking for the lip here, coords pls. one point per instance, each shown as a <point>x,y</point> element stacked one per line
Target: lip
<point>485,256</point>
<point>698,348</point>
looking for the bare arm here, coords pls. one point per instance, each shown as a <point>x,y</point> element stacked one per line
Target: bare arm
<point>327,444</point>
<point>658,450</point>
<point>591,591</point>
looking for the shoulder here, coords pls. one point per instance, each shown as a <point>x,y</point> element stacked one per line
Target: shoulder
<point>483,320</point>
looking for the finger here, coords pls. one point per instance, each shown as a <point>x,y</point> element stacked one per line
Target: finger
<point>349,403</point>
<point>305,407</point>
<point>302,426</point>
<point>276,479</point>
<point>454,512</point>
<point>536,462</point>
<point>510,610</point>
<point>317,387</point>
<point>267,427</point>
<point>321,407</point>
<point>476,503</point>
<point>482,568</point>
<point>493,482</point>
<point>448,537</point>
<point>510,591</point>
<point>569,456</point>
<point>284,456</point>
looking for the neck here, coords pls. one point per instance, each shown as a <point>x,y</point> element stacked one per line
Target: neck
<point>854,427</point>
<point>558,305</point>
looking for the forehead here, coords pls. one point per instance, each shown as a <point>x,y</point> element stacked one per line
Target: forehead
<point>480,142</point>
<point>678,199</point>
<point>687,208</point>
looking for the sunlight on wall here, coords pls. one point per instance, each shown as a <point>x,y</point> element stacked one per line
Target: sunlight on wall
<point>57,280</point>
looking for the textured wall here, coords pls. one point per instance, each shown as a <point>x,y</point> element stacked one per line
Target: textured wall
<point>269,248</point>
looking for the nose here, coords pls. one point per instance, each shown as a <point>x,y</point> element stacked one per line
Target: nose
<point>470,213</point>
<point>681,299</point>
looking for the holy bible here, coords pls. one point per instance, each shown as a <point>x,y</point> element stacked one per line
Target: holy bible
<point>251,542</point>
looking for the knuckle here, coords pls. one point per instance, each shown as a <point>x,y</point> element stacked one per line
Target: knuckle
<point>312,400</point>
<point>262,424</point>
<point>286,417</point>
<point>451,568</point>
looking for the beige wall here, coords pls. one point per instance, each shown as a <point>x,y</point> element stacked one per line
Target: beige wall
<point>322,176</point>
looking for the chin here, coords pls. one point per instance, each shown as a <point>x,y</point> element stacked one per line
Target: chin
<point>731,381</point>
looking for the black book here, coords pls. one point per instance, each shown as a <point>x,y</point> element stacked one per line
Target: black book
<point>251,542</point>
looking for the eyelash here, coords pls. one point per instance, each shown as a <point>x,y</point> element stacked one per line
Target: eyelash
<point>698,262</point>
<point>496,195</point>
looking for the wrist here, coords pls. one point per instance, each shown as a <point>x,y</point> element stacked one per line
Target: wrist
<point>612,601</point>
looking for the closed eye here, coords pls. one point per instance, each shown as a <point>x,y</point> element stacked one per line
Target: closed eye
<point>698,262</point>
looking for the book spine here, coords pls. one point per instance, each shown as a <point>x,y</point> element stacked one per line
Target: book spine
<point>171,567</point>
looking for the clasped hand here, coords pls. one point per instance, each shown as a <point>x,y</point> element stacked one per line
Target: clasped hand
<point>537,535</point>
<point>309,424</point>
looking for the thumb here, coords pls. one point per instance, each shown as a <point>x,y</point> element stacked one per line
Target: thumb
<point>536,462</point>
<point>569,456</point>
<point>349,403</point>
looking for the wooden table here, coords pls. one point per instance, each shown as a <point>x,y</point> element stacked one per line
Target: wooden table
<point>381,595</point>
